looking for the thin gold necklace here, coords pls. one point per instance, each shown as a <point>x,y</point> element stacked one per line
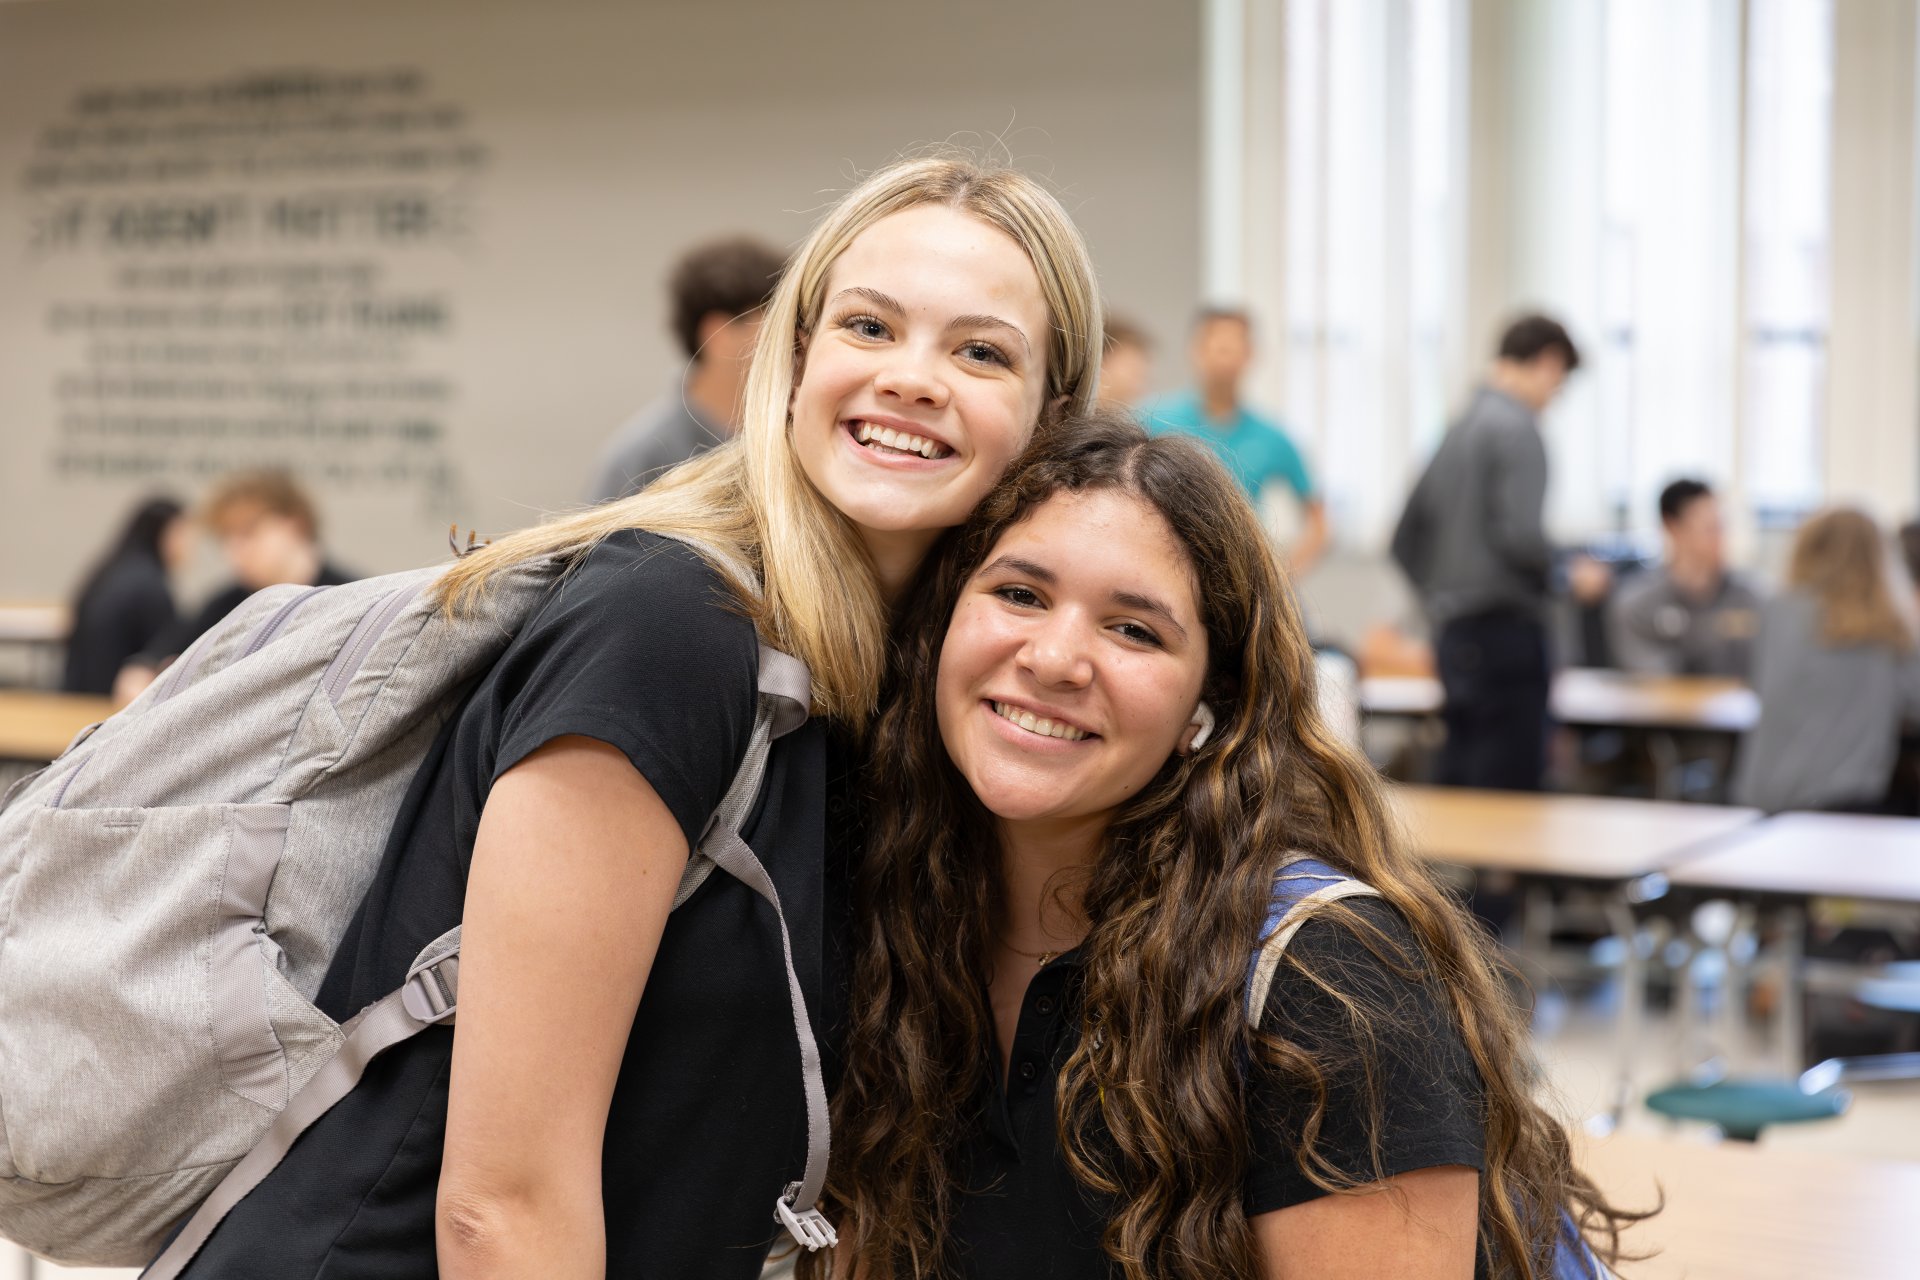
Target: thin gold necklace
<point>1042,958</point>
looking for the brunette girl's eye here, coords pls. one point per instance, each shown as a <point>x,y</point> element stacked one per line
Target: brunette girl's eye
<point>985,353</point>
<point>1021,596</point>
<point>1139,634</point>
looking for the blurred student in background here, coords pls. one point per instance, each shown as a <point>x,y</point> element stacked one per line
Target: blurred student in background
<point>127,601</point>
<point>1691,616</point>
<point>717,291</point>
<point>1126,366</point>
<point>1472,543</point>
<point>269,533</point>
<point>1255,449</point>
<point>1837,675</point>
<point>1910,557</point>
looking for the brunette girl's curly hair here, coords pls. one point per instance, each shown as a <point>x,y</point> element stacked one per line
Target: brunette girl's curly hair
<point>1152,1110</point>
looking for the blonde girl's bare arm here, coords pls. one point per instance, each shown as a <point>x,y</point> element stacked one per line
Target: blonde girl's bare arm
<point>575,866</point>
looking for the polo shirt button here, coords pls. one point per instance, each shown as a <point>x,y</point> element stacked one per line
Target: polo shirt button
<point>1027,1071</point>
<point>1043,1005</point>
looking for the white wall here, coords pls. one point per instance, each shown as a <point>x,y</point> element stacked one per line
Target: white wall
<point>617,133</point>
<point>1873,390</point>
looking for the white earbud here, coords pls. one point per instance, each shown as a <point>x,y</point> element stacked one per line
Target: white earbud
<point>1202,716</point>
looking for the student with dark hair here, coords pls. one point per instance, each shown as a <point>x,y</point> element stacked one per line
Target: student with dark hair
<point>1101,759</point>
<point>717,291</point>
<point>1256,450</point>
<point>1472,542</point>
<point>1126,365</point>
<point>269,531</point>
<point>1692,616</point>
<point>126,602</point>
<point>1837,673</point>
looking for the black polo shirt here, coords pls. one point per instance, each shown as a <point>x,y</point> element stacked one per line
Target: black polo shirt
<point>1025,1214</point>
<point>640,648</point>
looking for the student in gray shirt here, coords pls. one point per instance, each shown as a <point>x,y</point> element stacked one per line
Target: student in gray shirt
<point>1691,616</point>
<point>1837,675</point>
<point>717,291</point>
<point>1472,542</point>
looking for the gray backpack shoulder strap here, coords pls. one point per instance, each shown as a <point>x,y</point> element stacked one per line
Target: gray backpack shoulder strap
<point>785,697</point>
<point>430,995</point>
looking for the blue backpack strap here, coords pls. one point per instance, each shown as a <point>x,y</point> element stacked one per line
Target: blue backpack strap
<point>1299,886</point>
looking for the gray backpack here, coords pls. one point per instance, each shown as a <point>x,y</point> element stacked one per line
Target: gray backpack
<point>174,886</point>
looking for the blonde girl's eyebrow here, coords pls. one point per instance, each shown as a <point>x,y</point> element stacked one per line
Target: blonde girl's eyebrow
<point>992,322</point>
<point>873,298</point>
<point>888,303</point>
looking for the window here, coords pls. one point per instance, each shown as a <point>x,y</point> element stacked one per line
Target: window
<point>1668,263</point>
<point>1374,256</point>
<point>1666,168</point>
<point>1707,318</point>
<point>1787,285</point>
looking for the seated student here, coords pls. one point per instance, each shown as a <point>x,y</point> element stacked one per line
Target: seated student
<point>1691,616</point>
<point>1837,675</point>
<point>718,291</point>
<point>1102,748</point>
<point>269,533</point>
<point>126,602</point>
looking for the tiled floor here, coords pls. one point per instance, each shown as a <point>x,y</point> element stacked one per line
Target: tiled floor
<point>1579,1064</point>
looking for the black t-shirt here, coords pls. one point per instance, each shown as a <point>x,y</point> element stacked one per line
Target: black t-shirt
<point>123,609</point>
<point>1026,1215</point>
<point>641,648</point>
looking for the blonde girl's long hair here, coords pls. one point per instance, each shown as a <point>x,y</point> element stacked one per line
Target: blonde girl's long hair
<point>816,595</point>
<point>1840,559</point>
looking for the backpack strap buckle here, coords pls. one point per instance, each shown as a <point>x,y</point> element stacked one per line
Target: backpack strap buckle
<point>431,992</point>
<point>809,1227</point>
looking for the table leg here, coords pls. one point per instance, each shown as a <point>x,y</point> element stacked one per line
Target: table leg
<point>1792,1033</point>
<point>1536,923</point>
<point>1633,987</point>
<point>1664,754</point>
<point>1736,980</point>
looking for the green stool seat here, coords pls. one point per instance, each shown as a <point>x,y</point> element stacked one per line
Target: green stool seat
<point>1742,1108</point>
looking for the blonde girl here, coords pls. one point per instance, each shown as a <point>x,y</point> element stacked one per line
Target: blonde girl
<point>621,1096</point>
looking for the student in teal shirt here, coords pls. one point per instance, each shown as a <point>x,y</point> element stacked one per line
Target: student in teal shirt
<point>1256,450</point>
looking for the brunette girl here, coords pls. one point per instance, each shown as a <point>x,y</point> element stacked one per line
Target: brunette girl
<point>1102,749</point>
<point>621,1095</point>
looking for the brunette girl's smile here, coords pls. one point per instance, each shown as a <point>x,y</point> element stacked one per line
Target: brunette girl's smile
<point>1052,726</point>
